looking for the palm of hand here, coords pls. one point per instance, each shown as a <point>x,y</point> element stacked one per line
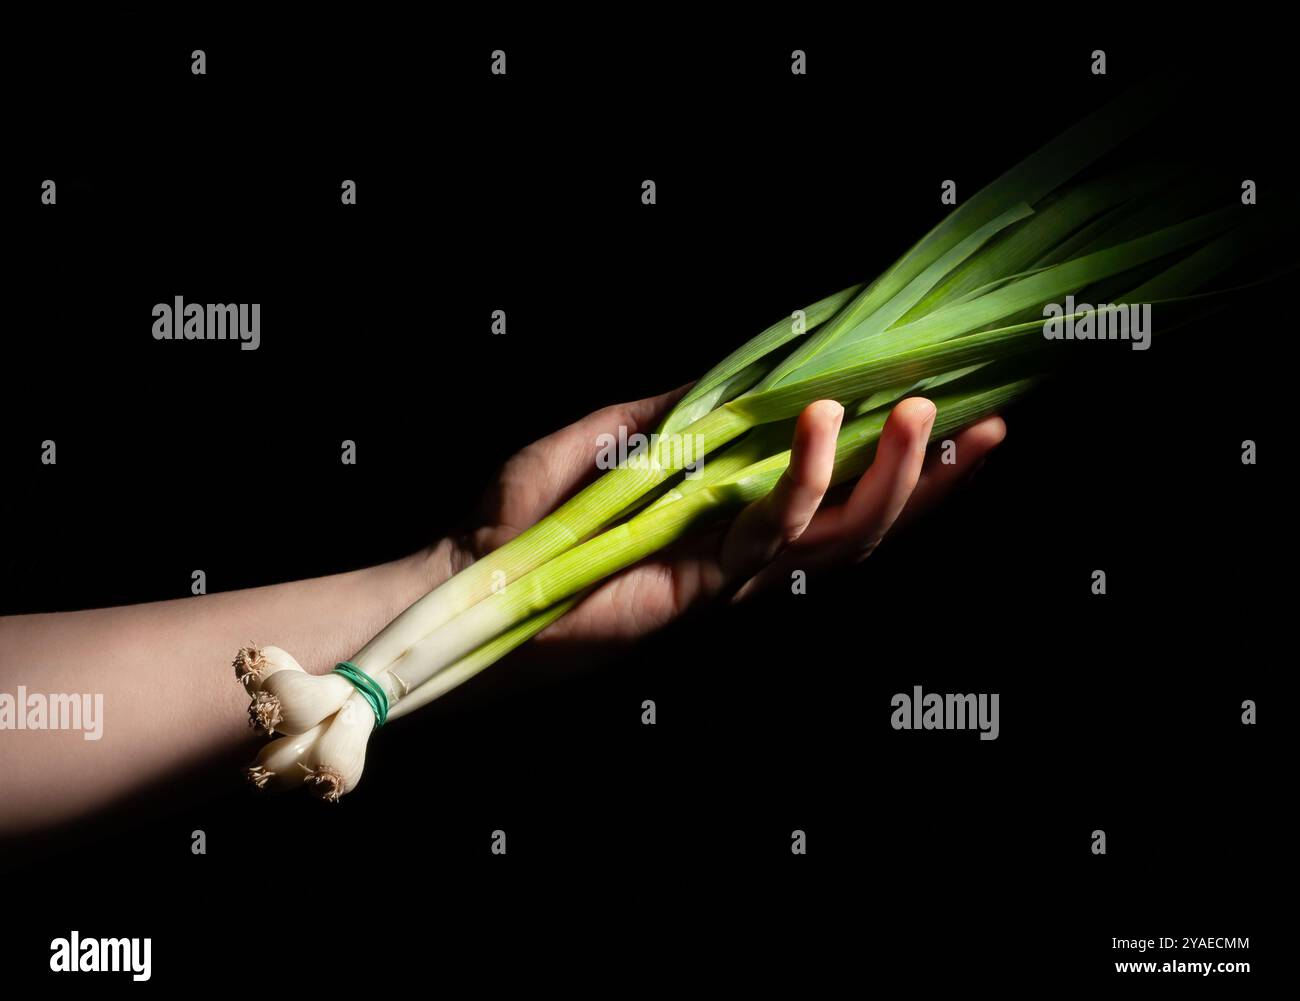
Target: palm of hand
<point>787,530</point>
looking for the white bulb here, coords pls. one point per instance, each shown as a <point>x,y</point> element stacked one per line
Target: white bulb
<point>337,759</point>
<point>294,702</point>
<point>279,765</point>
<point>253,665</point>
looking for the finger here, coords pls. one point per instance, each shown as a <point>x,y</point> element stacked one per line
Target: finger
<point>855,529</point>
<point>969,449</point>
<point>768,525</point>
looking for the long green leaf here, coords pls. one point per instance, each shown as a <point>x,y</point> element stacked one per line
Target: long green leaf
<point>857,381</point>
<point>919,287</point>
<point>1036,290</point>
<point>1025,247</point>
<point>1029,181</point>
<point>743,367</point>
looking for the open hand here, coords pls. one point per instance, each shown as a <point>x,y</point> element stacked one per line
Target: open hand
<point>790,529</point>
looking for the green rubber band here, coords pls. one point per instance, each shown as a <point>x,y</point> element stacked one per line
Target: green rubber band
<point>370,690</point>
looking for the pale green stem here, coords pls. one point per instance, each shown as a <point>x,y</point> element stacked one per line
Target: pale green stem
<point>482,657</point>
<point>617,548</point>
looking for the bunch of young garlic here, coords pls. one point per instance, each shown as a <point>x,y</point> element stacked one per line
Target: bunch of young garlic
<point>948,315</point>
<point>322,729</point>
<point>323,723</point>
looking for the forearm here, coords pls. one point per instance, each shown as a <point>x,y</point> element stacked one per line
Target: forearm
<point>170,698</point>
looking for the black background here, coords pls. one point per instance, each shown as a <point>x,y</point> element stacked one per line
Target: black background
<point>639,856</point>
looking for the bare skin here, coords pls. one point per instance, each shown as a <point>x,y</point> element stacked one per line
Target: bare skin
<point>170,698</point>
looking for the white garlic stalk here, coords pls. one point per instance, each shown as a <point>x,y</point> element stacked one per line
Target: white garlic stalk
<point>333,766</point>
<point>335,761</point>
<point>279,765</point>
